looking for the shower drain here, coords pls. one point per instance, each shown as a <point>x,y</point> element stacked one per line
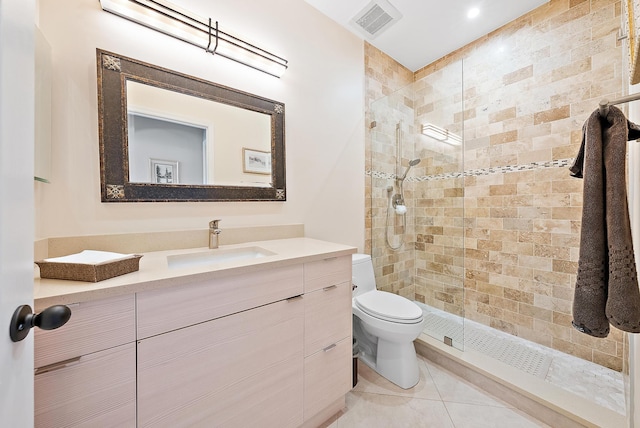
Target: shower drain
<point>502,349</point>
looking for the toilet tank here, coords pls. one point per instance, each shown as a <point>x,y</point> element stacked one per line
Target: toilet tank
<point>362,274</point>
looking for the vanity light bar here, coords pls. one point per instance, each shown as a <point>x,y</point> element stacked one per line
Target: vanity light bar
<point>180,24</point>
<point>441,134</point>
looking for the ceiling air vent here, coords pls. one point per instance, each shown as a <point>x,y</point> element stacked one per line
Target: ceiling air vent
<point>376,17</point>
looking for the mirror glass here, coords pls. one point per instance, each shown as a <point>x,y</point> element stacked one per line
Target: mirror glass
<point>165,136</point>
<point>182,139</point>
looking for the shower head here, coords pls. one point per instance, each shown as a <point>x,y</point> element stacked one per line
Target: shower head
<point>412,162</point>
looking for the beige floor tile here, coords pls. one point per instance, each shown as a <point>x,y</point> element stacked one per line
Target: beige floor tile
<point>475,416</point>
<point>372,382</point>
<point>440,400</point>
<point>390,411</point>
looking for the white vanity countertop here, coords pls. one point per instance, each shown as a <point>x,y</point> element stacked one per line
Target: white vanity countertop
<point>155,273</point>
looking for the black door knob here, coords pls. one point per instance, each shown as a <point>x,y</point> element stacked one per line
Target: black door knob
<point>24,320</point>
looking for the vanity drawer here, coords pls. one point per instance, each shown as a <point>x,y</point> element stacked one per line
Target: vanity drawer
<point>327,376</point>
<point>160,311</point>
<point>327,316</point>
<point>93,326</point>
<point>97,390</point>
<point>327,272</point>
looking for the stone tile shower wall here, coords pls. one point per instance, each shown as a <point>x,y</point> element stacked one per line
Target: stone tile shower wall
<point>503,217</point>
<point>385,80</point>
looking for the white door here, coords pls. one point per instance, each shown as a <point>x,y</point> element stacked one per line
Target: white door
<point>17,20</point>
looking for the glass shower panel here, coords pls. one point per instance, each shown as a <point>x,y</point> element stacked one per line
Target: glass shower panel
<point>439,203</point>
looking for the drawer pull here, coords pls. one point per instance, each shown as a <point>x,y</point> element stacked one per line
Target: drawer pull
<point>331,287</point>
<point>330,259</point>
<point>56,366</point>
<point>329,348</point>
<point>289,299</point>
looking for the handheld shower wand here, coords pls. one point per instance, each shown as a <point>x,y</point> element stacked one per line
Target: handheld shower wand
<point>412,162</point>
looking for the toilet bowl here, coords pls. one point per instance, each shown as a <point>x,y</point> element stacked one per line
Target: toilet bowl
<point>385,326</point>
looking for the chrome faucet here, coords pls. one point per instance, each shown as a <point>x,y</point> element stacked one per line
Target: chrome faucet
<point>214,234</point>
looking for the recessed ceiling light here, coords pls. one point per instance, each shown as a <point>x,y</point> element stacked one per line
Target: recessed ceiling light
<point>473,12</point>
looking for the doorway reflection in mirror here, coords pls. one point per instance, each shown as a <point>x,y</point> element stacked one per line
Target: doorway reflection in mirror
<point>154,138</point>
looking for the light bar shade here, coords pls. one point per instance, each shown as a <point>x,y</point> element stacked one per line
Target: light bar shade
<point>180,24</point>
<point>441,134</point>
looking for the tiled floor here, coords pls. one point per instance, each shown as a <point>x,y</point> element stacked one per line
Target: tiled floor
<point>440,400</point>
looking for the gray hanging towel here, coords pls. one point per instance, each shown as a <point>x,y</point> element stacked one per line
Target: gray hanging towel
<point>606,289</point>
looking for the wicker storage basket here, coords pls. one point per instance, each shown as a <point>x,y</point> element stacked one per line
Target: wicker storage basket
<point>88,272</point>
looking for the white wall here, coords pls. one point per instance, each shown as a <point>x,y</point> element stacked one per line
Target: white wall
<point>323,91</point>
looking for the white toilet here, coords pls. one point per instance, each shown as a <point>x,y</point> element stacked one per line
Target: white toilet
<point>385,326</point>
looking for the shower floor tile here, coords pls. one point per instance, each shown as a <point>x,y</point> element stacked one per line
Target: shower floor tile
<point>599,384</point>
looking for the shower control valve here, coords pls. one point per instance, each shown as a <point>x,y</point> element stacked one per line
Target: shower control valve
<point>397,200</point>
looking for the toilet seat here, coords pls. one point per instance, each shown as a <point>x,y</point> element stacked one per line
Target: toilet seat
<point>389,307</point>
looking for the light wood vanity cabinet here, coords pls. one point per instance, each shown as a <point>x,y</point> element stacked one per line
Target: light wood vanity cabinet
<point>328,347</point>
<point>269,348</point>
<point>85,371</point>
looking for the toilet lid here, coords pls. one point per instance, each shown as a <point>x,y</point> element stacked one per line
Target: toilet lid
<point>389,307</point>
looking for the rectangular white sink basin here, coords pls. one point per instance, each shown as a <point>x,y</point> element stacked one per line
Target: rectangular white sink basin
<point>216,256</point>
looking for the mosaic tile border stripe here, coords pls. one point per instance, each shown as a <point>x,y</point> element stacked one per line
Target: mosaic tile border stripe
<point>560,163</point>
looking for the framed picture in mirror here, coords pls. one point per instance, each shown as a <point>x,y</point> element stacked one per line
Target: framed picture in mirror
<point>163,171</point>
<point>256,161</point>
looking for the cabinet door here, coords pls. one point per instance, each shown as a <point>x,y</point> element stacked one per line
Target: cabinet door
<point>327,317</point>
<point>96,390</point>
<point>242,370</point>
<point>327,376</point>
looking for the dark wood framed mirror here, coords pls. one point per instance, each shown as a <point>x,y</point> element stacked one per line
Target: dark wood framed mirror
<point>166,136</point>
